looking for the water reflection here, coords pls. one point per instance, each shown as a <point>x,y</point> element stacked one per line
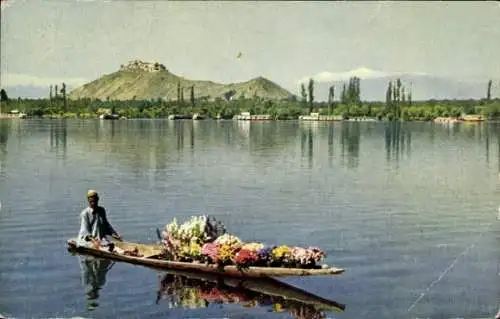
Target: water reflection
<point>350,140</point>
<point>330,145</point>
<point>191,135</point>
<point>59,137</point>
<point>487,145</point>
<point>145,145</point>
<point>264,137</point>
<point>179,132</point>
<point>4,132</point>
<point>397,140</point>
<point>496,129</point>
<point>201,291</point>
<point>93,272</point>
<point>4,137</point>
<point>307,135</point>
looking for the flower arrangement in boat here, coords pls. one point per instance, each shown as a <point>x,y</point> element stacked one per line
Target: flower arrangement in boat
<point>226,253</point>
<point>265,254</point>
<point>191,251</point>
<point>229,239</point>
<point>184,241</point>
<point>199,228</point>
<point>211,252</point>
<point>245,258</point>
<point>306,256</point>
<point>253,246</point>
<point>281,254</point>
<point>203,239</point>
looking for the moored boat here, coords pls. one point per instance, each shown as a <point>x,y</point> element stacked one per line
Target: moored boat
<point>151,256</point>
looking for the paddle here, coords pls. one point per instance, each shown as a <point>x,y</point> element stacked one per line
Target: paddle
<point>117,237</point>
<point>158,234</point>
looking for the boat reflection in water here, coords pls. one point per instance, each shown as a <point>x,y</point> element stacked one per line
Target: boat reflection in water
<point>188,290</point>
<point>93,272</point>
<point>193,289</point>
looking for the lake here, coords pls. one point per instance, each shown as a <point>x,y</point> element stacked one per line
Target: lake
<point>408,209</point>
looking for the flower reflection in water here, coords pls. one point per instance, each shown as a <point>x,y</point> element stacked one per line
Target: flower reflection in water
<point>185,292</point>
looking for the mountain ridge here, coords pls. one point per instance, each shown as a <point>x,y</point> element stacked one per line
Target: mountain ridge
<point>145,80</point>
<point>373,85</point>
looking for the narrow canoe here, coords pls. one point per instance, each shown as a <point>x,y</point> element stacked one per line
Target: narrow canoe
<point>150,251</point>
<point>265,286</point>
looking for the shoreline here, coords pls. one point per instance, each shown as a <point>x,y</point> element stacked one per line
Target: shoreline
<point>263,118</point>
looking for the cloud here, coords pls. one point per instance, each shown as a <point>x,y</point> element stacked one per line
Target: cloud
<point>23,79</point>
<point>362,73</point>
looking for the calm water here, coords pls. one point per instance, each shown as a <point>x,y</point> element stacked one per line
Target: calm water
<point>409,210</point>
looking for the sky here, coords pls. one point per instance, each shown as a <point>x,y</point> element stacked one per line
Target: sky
<point>78,41</point>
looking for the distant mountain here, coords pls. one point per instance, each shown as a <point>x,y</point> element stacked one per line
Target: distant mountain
<point>144,80</point>
<point>424,87</point>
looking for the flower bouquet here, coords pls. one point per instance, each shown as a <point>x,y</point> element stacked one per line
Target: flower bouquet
<point>245,258</point>
<point>226,254</point>
<point>184,241</point>
<point>203,239</point>
<point>280,256</point>
<point>305,257</point>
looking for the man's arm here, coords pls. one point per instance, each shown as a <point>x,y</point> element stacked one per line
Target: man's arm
<point>109,229</point>
<point>84,225</point>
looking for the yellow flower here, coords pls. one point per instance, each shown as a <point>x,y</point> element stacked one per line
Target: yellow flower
<point>226,252</point>
<point>281,252</point>
<point>195,249</point>
<point>184,251</point>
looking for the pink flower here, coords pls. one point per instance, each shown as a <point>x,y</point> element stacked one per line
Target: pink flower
<point>211,250</point>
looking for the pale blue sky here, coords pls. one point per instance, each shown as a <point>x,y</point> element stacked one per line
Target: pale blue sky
<point>284,41</point>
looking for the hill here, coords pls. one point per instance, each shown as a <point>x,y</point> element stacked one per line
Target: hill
<point>424,87</point>
<point>142,80</point>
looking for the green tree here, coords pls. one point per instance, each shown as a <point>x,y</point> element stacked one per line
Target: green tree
<point>192,96</point>
<point>331,97</point>
<point>63,92</point>
<point>398,90</point>
<point>356,90</point>
<point>388,97</point>
<point>397,99</point>
<point>488,93</point>
<point>3,96</point>
<point>178,92</point>
<point>343,96</point>
<point>409,97</point>
<point>311,94</point>
<point>303,93</point>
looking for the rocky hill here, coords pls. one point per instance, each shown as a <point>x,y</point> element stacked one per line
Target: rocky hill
<point>144,80</point>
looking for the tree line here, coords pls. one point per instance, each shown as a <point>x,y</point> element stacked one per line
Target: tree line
<point>398,104</point>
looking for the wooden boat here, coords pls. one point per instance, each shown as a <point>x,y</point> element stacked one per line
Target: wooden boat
<point>263,291</point>
<point>150,257</point>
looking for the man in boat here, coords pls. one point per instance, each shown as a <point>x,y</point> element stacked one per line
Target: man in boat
<point>94,225</point>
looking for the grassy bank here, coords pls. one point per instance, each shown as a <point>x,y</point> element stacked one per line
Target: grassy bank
<point>281,110</point>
